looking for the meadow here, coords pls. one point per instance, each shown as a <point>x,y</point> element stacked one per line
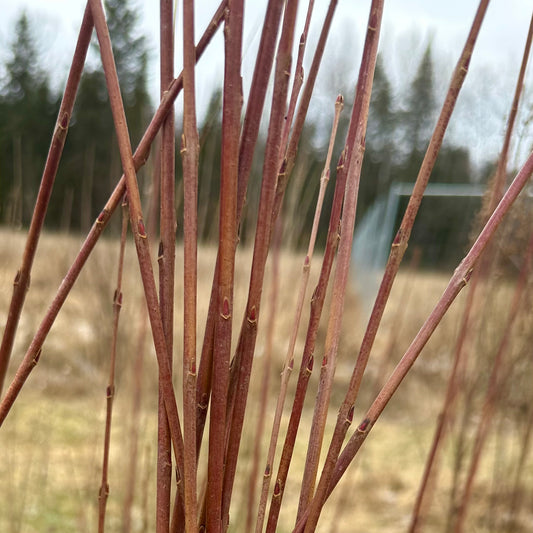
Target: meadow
<point>52,439</point>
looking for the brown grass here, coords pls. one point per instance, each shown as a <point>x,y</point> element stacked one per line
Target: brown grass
<point>51,441</point>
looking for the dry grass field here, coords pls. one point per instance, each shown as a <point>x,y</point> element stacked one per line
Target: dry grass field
<point>51,442</point>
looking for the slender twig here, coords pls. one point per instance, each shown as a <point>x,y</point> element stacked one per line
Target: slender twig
<point>22,279</point>
<point>189,151</point>
<point>495,382</point>
<point>33,352</point>
<point>226,253</point>
<point>307,362</point>
<point>246,344</point>
<point>457,282</point>
<point>354,160</point>
<point>298,78</point>
<point>250,131</point>
<point>166,261</point>
<point>289,358</point>
<point>303,106</point>
<point>110,391</point>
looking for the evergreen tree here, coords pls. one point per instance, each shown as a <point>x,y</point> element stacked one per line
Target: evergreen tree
<point>420,113</point>
<point>28,115</point>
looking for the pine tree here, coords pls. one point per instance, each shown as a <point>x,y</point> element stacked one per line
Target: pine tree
<point>421,104</point>
<point>28,114</point>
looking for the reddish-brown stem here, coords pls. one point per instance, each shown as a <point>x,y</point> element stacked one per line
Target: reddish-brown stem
<point>459,280</point>
<point>306,365</point>
<point>250,131</point>
<point>166,261</point>
<point>303,106</point>
<point>110,390</point>
<point>22,279</point>
<point>137,389</point>
<point>189,152</point>
<point>354,161</point>
<point>493,388</point>
<point>33,352</point>
<point>298,79</point>
<point>226,256</point>
<point>246,344</point>
<point>289,358</point>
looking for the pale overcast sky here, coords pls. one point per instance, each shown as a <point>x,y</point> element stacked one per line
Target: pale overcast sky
<point>408,27</point>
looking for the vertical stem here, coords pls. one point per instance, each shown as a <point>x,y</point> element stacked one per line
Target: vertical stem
<point>303,106</point>
<point>298,78</point>
<point>307,362</point>
<point>110,391</point>
<point>166,262</point>
<point>246,344</point>
<point>265,386</point>
<point>226,254</point>
<point>289,358</point>
<point>189,151</point>
<point>22,278</point>
<point>354,160</point>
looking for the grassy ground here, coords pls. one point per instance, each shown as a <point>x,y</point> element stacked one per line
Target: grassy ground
<point>52,440</point>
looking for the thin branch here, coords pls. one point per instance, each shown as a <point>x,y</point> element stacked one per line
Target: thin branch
<point>110,391</point>
<point>307,362</point>
<point>298,78</point>
<point>270,332</point>
<point>495,381</point>
<point>189,151</point>
<point>21,283</point>
<point>166,261</point>
<point>460,353</point>
<point>226,255</point>
<point>138,228</point>
<point>289,358</point>
<point>354,161</point>
<point>303,106</point>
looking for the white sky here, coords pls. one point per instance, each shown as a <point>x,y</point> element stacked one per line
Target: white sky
<point>408,25</point>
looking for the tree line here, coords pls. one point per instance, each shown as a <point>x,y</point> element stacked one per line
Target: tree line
<point>396,140</point>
